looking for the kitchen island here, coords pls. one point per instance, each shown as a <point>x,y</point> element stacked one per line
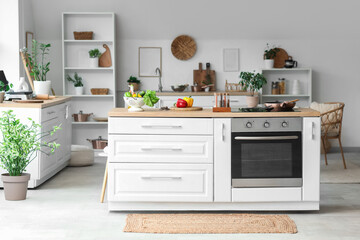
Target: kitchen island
<point>170,160</point>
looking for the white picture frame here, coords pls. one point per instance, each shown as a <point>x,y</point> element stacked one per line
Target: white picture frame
<point>231,59</point>
<point>150,58</point>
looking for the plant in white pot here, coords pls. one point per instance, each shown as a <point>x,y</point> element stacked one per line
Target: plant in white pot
<point>39,66</point>
<point>19,145</point>
<point>254,82</point>
<point>78,84</point>
<point>94,55</point>
<point>135,82</point>
<point>269,55</point>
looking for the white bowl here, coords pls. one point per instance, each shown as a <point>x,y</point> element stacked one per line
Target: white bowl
<point>135,103</point>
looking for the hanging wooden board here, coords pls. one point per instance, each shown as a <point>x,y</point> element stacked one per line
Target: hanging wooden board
<point>200,77</point>
<point>187,109</point>
<point>279,60</point>
<point>105,58</point>
<point>183,47</point>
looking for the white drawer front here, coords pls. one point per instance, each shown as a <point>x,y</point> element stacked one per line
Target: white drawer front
<point>266,194</point>
<point>172,126</point>
<point>51,112</point>
<point>160,182</point>
<point>161,148</point>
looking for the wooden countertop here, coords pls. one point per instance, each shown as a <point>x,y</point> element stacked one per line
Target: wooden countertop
<point>45,104</point>
<point>207,113</point>
<point>201,93</point>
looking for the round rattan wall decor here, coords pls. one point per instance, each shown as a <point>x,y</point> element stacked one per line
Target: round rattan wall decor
<point>183,47</point>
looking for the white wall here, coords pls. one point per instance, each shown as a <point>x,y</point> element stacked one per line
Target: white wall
<point>9,39</point>
<point>318,34</point>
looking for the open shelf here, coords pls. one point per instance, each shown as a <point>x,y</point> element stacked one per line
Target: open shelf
<point>287,69</point>
<point>88,68</point>
<point>87,41</point>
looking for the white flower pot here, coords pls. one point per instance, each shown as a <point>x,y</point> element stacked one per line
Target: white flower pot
<point>42,87</point>
<point>252,101</point>
<point>269,63</point>
<point>79,90</point>
<point>94,62</point>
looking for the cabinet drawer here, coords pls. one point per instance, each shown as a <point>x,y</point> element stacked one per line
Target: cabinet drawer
<point>266,194</point>
<point>161,148</point>
<point>172,126</point>
<point>160,182</point>
<point>50,113</point>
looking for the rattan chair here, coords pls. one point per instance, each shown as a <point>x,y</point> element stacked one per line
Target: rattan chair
<point>331,123</point>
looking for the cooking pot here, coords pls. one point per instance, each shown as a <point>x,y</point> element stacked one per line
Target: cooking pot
<point>98,143</point>
<point>81,117</point>
<point>281,106</point>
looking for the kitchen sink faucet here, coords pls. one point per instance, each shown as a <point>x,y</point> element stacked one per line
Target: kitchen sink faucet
<point>159,85</point>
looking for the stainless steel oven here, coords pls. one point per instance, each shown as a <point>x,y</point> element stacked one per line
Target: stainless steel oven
<point>266,152</point>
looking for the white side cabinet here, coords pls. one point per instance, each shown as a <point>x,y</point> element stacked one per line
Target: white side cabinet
<point>45,166</point>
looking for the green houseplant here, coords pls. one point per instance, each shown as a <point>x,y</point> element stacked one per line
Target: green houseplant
<point>135,82</point>
<point>4,88</point>
<point>39,66</point>
<point>19,146</point>
<point>78,84</point>
<point>253,82</point>
<point>94,55</point>
<point>269,55</point>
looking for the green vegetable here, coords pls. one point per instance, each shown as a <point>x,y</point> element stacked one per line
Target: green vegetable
<point>142,93</point>
<point>127,94</point>
<point>150,98</point>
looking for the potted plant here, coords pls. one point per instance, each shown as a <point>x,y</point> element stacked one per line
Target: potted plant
<point>39,66</point>
<point>4,88</point>
<point>269,55</point>
<point>135,82</point>
<point>20,145</point>
<point>252,81</point>
<point>94,55</point>
<point>78,84</point>
<point>207,83</point>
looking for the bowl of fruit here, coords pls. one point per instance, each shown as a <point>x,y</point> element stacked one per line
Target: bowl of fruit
<point>136,101</point>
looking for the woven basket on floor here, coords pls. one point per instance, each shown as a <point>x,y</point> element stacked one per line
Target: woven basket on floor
<point>99,91</point>
<point>83,35</point>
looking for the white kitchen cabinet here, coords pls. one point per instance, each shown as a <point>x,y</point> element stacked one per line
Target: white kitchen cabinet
<point>45,166</point>
<point>158,148</point>
<point>266,194</point>
<point>311,159</point>
<point>160,182</point>
<point>222,160</point>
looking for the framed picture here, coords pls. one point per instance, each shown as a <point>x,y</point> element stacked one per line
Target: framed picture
<point>29,38</point>
<point>231,59</point>
<point>150,61</point>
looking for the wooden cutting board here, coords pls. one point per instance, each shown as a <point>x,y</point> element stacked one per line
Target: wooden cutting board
<point>28,101</point>
<point>200,76</point>
<point>105,58</point>
<point>279,60</point>
<point>187,109</point>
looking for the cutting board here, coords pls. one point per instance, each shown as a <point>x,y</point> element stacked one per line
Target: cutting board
<point>200,76</point>
<point>105,58</point>
<point>28,101</point>
<point>187,109</point>
<point>279,60</point>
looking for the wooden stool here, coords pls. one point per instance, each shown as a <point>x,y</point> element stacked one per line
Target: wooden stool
<point>104,183</point>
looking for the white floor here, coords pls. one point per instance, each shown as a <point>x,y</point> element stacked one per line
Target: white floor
<point>67,207</point>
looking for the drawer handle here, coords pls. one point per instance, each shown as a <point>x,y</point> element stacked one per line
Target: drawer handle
<point>161,148</point>
<point>234,100</point>
<point>51,112</point>
<point>162,177</point>
<point>161,126</point>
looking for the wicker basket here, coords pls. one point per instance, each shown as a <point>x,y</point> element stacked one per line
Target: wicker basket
<point>83,35</point>
<point>99,91</point>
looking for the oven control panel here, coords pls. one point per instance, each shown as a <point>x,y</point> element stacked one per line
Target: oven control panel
<point>266,124</point>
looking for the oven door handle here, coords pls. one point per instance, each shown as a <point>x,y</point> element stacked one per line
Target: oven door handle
<point>259,138</point>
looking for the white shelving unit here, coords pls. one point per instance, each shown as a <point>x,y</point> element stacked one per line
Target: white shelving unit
<point>304,75</point>
<point>76,59</point>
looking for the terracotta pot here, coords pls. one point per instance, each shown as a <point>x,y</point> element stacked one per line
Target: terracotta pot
<point>15,187</point>
<point>2,95</point>
<point>252,101</point>
<point>136,86</point>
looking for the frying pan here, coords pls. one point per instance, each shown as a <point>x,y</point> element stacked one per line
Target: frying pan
<point>281,106</point>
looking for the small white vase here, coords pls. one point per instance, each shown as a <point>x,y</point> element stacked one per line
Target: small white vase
<point>252,101</point>
<point>42,87</point>
<point>269,63</point>
<point>296,90</point>
<point>79,90</point>
<point>94,62</point>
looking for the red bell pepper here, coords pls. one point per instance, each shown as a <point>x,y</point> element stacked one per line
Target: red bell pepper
<point>181,103</point>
